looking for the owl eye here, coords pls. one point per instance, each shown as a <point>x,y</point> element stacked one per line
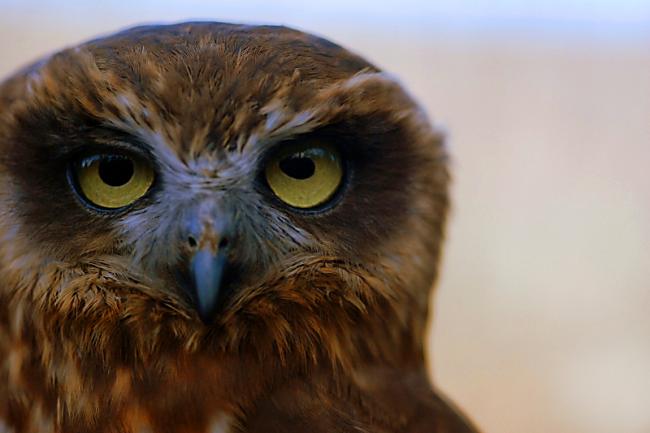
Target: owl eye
<point>305,175</point>
<point>112,181</point>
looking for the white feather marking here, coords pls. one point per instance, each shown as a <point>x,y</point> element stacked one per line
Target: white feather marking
<point>124,100</point>
<point>273,119</point>
<point>221,424</point>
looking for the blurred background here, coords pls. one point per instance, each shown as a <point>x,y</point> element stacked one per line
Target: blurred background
<point>542,315</point>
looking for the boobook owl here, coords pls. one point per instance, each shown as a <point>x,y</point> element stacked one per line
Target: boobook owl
<point>209,227</point>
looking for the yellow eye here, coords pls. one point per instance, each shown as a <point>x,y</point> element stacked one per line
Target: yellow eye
<point>113,181</point>
<point>305,175</point>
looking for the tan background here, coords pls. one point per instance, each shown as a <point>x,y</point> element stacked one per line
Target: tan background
<point>542,318</point>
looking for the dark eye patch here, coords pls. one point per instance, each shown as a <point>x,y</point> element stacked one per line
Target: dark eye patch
<point>381,163</point>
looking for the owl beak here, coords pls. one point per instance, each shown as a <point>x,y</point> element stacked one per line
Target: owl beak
<point>207,269</point>
<point>207,233</point>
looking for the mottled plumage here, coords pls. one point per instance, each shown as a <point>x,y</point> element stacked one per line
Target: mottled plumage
<point>319,322</point>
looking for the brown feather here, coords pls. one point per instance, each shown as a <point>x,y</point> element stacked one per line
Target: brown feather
<point>323,331</point>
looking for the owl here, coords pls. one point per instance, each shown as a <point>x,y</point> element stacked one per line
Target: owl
<point>209,227</point>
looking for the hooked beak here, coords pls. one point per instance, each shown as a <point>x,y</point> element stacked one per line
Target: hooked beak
<point>207,231</point>
<point>207,269</point>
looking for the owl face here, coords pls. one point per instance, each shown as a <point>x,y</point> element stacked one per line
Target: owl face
<point>216,169</point>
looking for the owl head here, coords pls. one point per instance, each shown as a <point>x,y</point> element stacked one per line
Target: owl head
<point>215,185</point>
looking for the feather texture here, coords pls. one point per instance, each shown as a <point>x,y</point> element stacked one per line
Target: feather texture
<point>322,325</point>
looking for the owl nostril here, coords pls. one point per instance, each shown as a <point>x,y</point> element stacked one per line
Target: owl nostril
<point>193,243</point>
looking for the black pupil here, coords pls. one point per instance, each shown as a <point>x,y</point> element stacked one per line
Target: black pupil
<point>298,167</point>
<point>116,171</point>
